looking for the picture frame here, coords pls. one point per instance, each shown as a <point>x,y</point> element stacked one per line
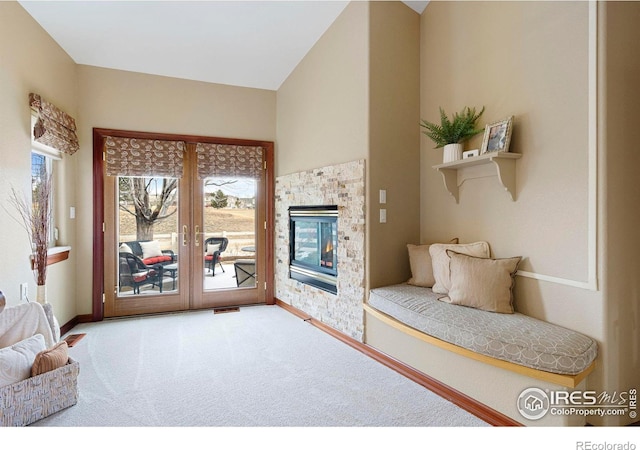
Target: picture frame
<point>497,136</point>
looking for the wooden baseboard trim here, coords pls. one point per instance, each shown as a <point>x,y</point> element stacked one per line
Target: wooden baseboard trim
<point>465,402</point>
<point>84,318</point>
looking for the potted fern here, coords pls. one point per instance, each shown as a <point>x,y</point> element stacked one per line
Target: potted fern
<point>452,133</point>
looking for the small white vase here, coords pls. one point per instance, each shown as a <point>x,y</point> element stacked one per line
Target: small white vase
<point>41,293</point>
<point>41,297</point>
<point>452,152</point>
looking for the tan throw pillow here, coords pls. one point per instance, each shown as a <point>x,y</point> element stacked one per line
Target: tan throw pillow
<point>51,359</point>
<point>421,266</point>
<point>482,283</point>
<point>440,261</point>
<point>150,249</point>
<point>124,248</point>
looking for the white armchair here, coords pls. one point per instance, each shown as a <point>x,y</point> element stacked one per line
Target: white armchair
<point>31,391</point>
<point>23,321</point>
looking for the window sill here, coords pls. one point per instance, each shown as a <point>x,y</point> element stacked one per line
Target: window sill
<point>56,254</point>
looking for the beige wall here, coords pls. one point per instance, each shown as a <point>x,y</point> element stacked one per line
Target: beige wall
<point>323,106</point>
<point>355,95</point>
<point>394,140</point>
<point>507,69</point>
<point>30,61</point>
<point>620,113</point>
<point>134,101</point>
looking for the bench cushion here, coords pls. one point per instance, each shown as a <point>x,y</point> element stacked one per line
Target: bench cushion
<point>157,260</point>
<point>514,337</point>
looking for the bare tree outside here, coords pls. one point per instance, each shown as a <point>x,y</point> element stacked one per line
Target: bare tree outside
<point>153,200</point>
<point>149,200</point>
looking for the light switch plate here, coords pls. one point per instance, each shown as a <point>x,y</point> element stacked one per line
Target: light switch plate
<point>383,196</point>
<point>383,216</point>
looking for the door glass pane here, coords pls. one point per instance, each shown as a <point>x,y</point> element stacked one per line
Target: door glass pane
<point>147,236</point>
<point>229,230</point>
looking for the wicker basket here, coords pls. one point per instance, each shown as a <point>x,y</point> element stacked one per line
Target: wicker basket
<point>38,397</point>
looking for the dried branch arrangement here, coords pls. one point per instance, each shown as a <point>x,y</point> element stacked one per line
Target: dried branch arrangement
<point>35,218</point>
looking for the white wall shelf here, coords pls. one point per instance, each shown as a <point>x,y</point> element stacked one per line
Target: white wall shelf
<point>502,164</point>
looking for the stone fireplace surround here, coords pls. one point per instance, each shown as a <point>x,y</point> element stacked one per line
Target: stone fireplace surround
<point>342,185</point>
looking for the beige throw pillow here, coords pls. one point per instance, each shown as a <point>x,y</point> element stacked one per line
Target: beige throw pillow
<point>51,359</point>
<point>440,261</point>
<point>16,360</point>
<point>150,249</point>
<point>482,283</point>
<point>212,248</point>
<point>421,266</point>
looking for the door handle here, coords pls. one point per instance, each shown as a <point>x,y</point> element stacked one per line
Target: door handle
<point>185,230</point>
<point>196,240</point>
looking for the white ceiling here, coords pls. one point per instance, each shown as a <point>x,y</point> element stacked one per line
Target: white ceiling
<point>243,43</point>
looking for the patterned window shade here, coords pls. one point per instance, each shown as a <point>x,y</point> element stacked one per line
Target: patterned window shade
<point>54,127</point>
<point>221,160</point>
<point>130,157</point>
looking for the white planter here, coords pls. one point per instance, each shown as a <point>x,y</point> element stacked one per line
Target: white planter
<point>41,293</point>
<point>41,297</point>
<point>452,152</point>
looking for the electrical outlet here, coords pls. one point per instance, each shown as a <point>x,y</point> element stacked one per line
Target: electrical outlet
<point>24,291</point>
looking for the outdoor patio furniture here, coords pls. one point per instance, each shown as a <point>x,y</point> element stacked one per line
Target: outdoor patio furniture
<point>245,272</point>
<point>213,248</point>
<point>135,273</point>
<point>172,271</point>
<point>167,257</point>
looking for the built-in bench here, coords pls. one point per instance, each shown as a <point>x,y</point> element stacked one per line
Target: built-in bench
<point>514,342</point>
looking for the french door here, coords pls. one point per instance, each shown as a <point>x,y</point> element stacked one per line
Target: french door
<point>187,225</point>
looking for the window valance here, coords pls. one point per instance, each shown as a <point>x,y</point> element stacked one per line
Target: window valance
<point>130,157</point>
<point>53,127</point>
<point>222,160</point>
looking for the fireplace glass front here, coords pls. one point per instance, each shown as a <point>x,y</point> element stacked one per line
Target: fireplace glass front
<point>313,246</point>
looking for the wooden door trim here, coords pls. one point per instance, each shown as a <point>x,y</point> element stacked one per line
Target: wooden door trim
<point>270,219</point>
<point>99,135</point>
<point>98,226</point>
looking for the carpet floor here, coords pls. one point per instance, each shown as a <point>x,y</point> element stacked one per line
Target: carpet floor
<point>259,367</point>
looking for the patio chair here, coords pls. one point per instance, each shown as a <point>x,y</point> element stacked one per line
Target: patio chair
<point>135,273</point>
<point>213,248</point>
